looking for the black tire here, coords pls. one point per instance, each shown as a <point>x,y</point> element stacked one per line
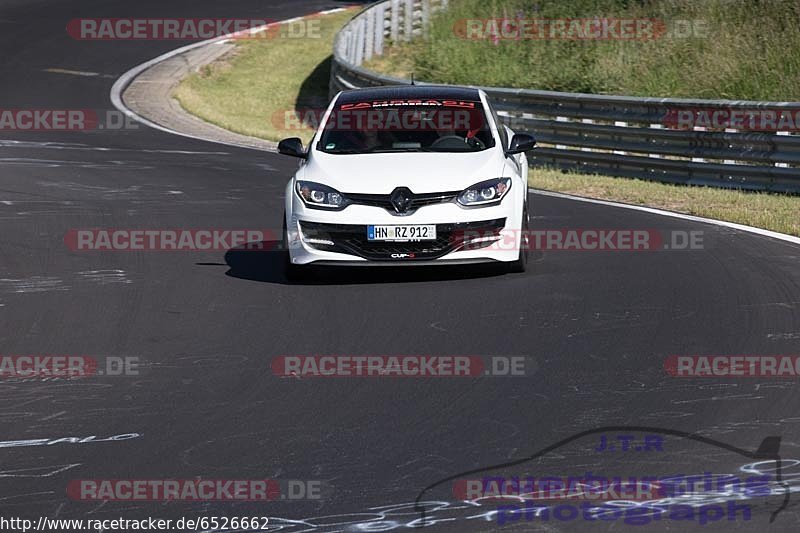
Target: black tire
<point>296,273</point>
<point>521,264</point>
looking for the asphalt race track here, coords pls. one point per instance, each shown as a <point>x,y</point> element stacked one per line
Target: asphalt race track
<point>594,327</point>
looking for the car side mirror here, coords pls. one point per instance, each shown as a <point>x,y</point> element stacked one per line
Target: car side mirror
<point>521,142</point>
<point>293,147</point>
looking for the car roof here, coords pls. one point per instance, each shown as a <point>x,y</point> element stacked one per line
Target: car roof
<point>402,92</point>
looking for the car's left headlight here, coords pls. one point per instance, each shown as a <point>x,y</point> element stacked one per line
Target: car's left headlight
<point>320,196</point>
<point>485,193</point>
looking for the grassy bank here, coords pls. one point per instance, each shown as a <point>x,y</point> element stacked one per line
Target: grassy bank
<point>734,49</point>
<point>774,212</point>
<point>256,89</point>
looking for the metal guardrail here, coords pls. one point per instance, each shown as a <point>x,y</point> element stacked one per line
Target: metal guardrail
<point>612,135</point>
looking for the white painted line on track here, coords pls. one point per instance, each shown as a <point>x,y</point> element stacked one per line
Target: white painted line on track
<point>71,72</point>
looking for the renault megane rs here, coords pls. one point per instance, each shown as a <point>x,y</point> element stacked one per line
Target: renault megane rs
<point>411,175</point>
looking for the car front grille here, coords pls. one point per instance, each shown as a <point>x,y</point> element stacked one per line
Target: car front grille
<point>417,200</point>
<point>352,239</point>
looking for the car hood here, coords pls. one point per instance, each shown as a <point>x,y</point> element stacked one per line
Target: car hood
<point>421,172</point>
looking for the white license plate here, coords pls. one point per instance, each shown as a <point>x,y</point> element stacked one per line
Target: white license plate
<point>401,233</point>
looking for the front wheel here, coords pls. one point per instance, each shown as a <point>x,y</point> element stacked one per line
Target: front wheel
<point>521,264</point>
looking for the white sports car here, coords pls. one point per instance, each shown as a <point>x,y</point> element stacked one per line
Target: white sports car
<point>409,175</point>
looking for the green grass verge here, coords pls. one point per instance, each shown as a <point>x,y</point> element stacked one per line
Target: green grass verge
<point>251,90</point>
<point>741,49</point>
<point>776,212</point>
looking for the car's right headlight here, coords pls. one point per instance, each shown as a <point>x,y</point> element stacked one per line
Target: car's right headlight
<point>485,193</point>
<point>319,196</point>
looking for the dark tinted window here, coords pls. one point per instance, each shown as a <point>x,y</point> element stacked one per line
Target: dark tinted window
<point>406,126</point>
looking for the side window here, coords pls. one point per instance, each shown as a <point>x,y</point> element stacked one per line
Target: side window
<point>501,130</point>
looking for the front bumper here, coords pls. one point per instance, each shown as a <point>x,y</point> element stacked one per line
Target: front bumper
<point>351,239</point>
<point>464,236</point>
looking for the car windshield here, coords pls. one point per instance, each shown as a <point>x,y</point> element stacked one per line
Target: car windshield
<point>406,126</point>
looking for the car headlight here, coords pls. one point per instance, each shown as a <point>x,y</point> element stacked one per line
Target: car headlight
<point>319,195</point>
<point>485,192</point>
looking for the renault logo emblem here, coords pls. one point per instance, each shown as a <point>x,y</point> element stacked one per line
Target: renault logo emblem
<point>401,199</point>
